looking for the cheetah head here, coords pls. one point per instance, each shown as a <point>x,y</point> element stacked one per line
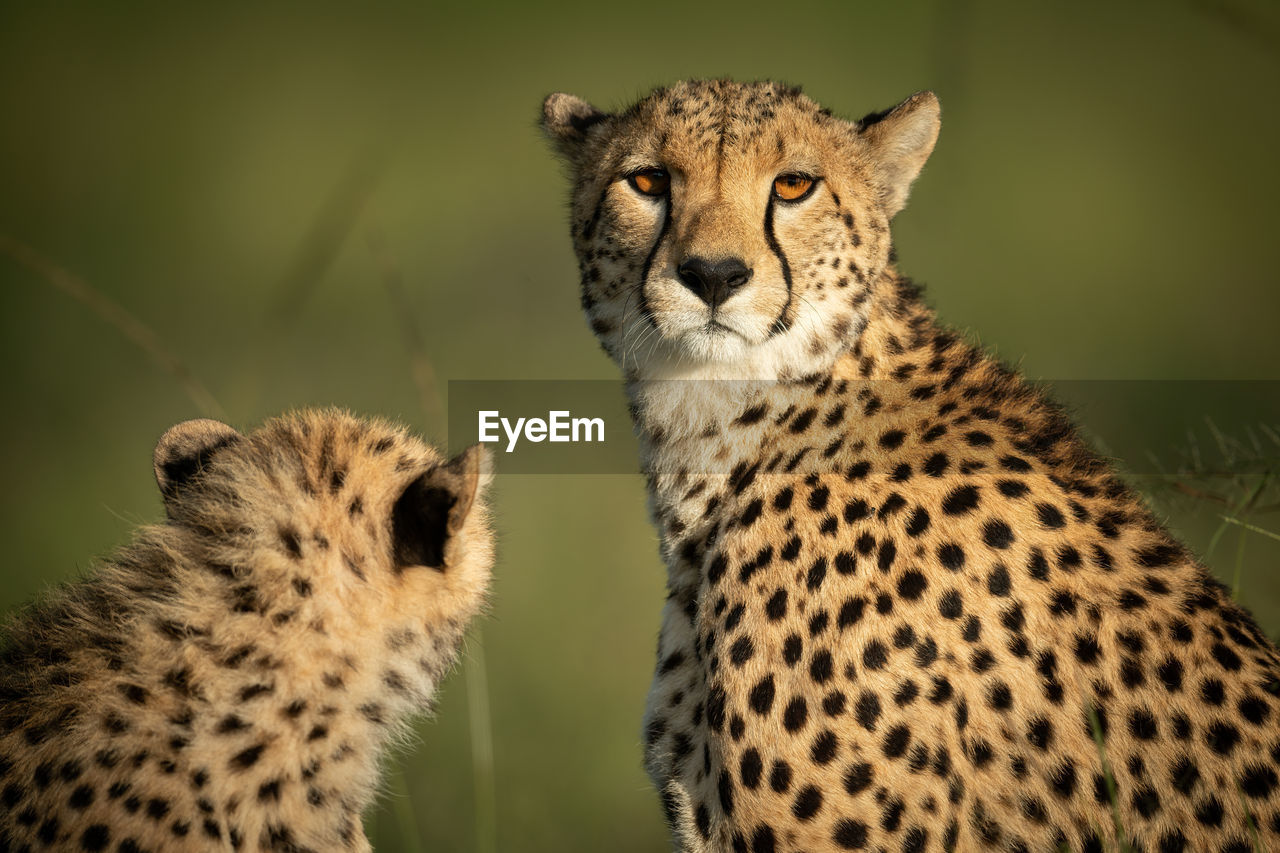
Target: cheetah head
<point>335,507</point>
<point>730,230</point>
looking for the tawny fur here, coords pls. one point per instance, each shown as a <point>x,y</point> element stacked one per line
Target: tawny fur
<point>231,679</point>
<point>903,594</point>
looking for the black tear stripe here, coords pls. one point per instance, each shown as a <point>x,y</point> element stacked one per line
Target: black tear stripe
<point>783,323</point>
<point>589,230</point>
<point>645,310</point>
<point>724,131</point>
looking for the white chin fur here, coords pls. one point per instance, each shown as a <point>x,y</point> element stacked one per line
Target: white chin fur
<point>687,349</point>
<point>714,345</point>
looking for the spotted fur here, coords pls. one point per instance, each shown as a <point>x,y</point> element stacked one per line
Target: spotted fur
<point>230,680</point>
<point>908,608</point>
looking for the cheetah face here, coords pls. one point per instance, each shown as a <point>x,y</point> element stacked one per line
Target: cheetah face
<point>731,230</point>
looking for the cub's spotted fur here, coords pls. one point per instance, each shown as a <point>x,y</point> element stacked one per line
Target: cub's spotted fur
<point>230,680</point>
<point>905,600</point>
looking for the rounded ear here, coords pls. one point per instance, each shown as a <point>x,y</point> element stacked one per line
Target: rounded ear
<point>429,514</point>
<point>187,448</point>
<point>566,119</point>
<point>901,140</point>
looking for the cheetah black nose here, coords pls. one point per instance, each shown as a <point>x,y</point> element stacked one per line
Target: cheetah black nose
<point>713,282</point>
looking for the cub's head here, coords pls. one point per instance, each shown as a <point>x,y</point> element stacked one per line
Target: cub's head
<point>320,509</point>
<point>730,229</point>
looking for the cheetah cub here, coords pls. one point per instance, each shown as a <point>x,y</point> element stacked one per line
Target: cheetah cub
<point>908,609</point>
<point>230,680</point>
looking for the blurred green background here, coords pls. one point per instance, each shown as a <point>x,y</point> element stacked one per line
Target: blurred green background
<point>292,194</point>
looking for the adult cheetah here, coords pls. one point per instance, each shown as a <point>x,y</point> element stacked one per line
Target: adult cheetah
<point>908,608</point>
<point>231,679</point>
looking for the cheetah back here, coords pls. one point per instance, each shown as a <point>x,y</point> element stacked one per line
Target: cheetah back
<point>233,677</point>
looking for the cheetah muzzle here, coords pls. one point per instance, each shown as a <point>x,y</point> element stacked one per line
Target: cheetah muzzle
<point>908,609</point>
<point>232,678</point>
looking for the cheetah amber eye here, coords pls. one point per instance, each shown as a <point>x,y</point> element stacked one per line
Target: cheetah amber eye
<point>650,182</point>
<point>792,187</point>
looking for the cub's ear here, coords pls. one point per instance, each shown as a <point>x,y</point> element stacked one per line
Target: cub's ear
<point>567,119</point>
<point>185,449</point>
<point>901,139</point>
<point>429,514</point>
